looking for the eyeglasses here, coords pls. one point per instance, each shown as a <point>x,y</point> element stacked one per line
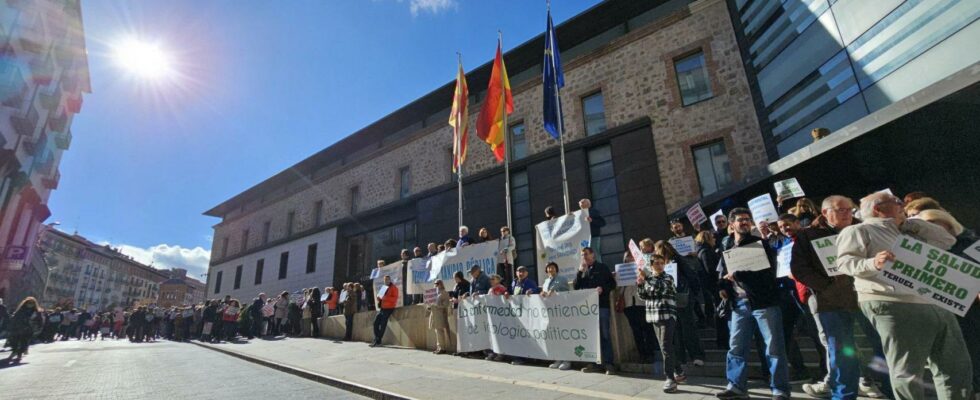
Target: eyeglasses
<point>743,219</point>
<point>842,210</point>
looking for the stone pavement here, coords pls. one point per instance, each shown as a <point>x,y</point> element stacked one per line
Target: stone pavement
<point>161,370</point>
<point>423,375</point>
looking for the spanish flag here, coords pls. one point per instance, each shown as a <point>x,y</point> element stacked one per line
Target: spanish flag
<point>490,125</point>
<point>459,119</point>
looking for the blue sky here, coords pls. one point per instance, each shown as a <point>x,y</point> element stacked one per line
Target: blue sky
<point>258,86</point>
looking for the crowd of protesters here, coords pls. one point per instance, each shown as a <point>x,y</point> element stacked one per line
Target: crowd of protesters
<point>749,309</point>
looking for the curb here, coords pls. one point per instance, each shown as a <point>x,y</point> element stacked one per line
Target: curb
<point>356,388</point>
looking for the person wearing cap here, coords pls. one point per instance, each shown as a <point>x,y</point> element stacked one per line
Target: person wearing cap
<point>523,285</point>
<point>915,333</point>
<point>480,284</point>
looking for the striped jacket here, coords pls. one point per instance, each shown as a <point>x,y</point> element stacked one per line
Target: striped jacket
<point>659,293</point>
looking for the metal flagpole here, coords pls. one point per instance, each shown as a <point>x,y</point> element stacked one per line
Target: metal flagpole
<point>503,99</point>
<point>459,148</point>
<point>561,119</point>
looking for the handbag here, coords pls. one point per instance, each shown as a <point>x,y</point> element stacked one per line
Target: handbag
<point>724,310</point>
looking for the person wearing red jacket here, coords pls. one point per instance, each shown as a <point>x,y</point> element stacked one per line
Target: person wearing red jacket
<point>387,301</point>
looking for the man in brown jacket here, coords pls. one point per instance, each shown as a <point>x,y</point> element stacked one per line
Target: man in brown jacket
<point>350,308</point>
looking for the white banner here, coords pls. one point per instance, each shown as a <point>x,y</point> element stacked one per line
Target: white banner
<point>626,274</point>
<point>561,241</point>
<point>564,326</point>
<point>750,257</point>
<point>418,273</point>
<point>763,209</point>
<point>445,264</point>
<point>826,248</point>
<point>945,280</point>
<point>683,245</point>
<point>783,259</point>
<point>393,270</point>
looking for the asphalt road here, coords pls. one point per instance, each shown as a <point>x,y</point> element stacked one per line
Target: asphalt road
<point>160,370</point>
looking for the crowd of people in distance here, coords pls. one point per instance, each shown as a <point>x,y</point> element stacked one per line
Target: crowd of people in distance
<point>747,307</point>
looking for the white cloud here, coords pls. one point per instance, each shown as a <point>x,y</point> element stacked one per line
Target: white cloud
<point>164,256</point>
<point>431,6</point>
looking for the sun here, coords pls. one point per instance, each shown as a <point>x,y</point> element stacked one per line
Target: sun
<point>143,59</point>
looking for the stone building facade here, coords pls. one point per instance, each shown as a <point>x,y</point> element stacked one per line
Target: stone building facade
<point>356,184</point>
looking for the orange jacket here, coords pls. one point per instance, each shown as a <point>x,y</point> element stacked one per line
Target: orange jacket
<point>390,299</point>
<point>332,301</point>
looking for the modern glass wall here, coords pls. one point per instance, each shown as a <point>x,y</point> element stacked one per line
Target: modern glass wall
<point>827,63</point>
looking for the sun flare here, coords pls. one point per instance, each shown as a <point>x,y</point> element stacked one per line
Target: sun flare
<point>143,59</point>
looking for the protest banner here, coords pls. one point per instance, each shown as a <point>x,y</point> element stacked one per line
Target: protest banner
<point>946,280</point>
<point>418,272</point>
<point>695,214</point>
<point>715,217</point>
<point>683,245</point>
<point>826,249</point>
<point>763,209</point>
<point>789,188</point>
<point>563,326</point>
<point>393,270</point>
<point>973,251</point>
<point>783,259</point>
<point>445,264</point>
<point>626,274</point>
<point>751,257</point>
<point>561,241</point>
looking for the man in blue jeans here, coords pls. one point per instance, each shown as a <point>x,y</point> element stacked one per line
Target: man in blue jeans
<point>598,276</point>
<point>387,302</point>
<point>755,300</point>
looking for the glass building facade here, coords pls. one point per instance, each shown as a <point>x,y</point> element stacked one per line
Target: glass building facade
<point>827,63</point>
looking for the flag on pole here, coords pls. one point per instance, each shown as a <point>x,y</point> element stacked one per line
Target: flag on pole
<point>554,80</point>
<point>459,119</point>
<point>490,124</point>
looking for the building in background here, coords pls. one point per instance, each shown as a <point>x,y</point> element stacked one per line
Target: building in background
<point>658,111</point>
<point>43,75</point>
<point>180,290</point>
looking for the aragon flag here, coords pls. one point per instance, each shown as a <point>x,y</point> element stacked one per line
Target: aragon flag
<point>490,124</point>
<point>459,119</point>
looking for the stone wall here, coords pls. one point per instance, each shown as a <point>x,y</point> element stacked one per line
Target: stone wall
<point>636,76</point>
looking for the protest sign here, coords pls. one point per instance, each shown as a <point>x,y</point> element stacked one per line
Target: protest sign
<point>561,241</point>
<point>445,264</point>
<point>626,274</point>
<point>343,296</point>
<point>789,188</point>
<point>393,270</point>
<point>638,257</point>
<point>973,251</point>
<point>324,297</point>
<point>715,217</point>
<point>763,209</point>
<point>783,259</point>
<point>751,257</point>
<point>695,214</point>
<point>418,273</point>
<point>826,249</point>
<point>431,295</point>
<point>946,280</point>
<point>671,269</point>
<point>563,326</point>
<point>683,245</point>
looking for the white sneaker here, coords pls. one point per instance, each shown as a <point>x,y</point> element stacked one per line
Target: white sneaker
<point>565,366</point>
<point>698,363</point>
<point>869,389</point>
<point>817,390</point>
<point>554,365</point>
<point>670,386</point>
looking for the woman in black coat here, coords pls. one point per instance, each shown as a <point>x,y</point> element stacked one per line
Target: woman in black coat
<point>21,330</point>
<point>316,311</point>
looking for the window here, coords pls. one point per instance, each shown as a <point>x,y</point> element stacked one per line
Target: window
<point>311,258</point>
<point>692,78</point>
<point>266,227</point>
<point>608,242</point>
<point>523,229</point>
<point>595,114</point>
<point>405,182</point>
<point>283,264</point>
<point>224,248</point>
<point>355,197</point>
<point>386,244</point>
<point>259,267</point>
<point>713,167</point>
<point>518,142</point>
<point>238,277</point>
<point>217,282</point>
<point>317,213</point>
<point>244,240</point>
<point>289,222</point>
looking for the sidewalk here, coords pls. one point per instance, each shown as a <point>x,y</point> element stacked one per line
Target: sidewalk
<point>422,375</point>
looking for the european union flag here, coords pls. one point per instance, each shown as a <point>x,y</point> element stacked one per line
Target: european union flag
<point>554,80</point>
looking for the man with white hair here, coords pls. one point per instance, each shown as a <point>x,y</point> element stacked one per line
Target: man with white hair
<point>914,332</point>
<point>464,237</point>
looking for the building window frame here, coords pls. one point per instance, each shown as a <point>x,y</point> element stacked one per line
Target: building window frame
<point>710,146</point>
<point>259,271</point>
<point>404,182</point>
<point>318,213</point>
<point>585,116</point>
<point>290,219</point>
<point>311,258</point>
<point>702,71</point>
<point>238,277</point>
<point>354,196</point>
<point>671,82</point>
<point>518,148</point>
<point>244,245</point>
<point>266,230</point>
<point>283,265</point>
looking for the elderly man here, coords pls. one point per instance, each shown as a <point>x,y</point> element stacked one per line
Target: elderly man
<point>464,237</point>
<point>914,332</point>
